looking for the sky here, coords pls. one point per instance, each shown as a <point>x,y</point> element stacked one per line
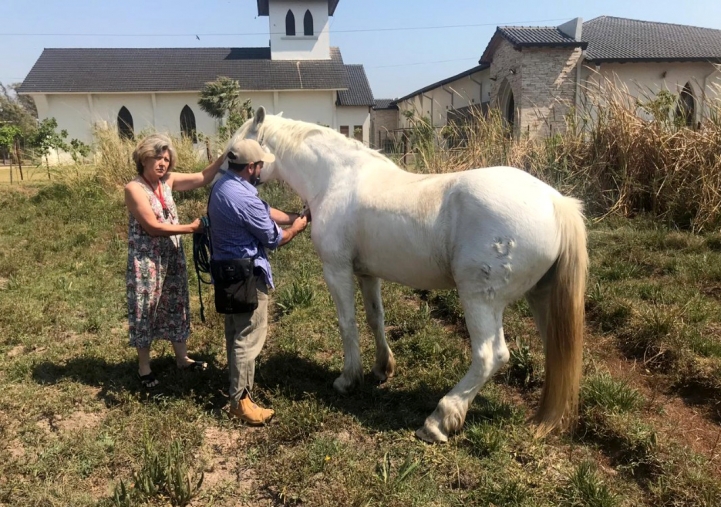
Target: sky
<point>403,45</point>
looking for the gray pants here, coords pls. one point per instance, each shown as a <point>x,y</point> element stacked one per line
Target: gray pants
<point>244,339</point>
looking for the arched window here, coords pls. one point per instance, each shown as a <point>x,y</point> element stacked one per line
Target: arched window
<point>507,105</point>
<point>187,124</point>
<point>308,23</point>
<point>686,107</point>
<point>289,23</point>
<point>511,111</point>
<point>125,124</point>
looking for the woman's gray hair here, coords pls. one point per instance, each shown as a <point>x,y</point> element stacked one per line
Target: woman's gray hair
<point>153,146</point>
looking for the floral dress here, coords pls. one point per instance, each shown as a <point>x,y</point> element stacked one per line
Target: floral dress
<point>157,279</point>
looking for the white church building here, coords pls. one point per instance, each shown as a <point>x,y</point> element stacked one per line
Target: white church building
<point>299,74</point>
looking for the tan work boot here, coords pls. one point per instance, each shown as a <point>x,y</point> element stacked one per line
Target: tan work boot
<point>250,413</point>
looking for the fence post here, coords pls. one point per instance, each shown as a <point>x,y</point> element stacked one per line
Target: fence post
<point>19,159</point>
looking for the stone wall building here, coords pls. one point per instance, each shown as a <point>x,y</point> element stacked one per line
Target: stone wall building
<point>538,76</point>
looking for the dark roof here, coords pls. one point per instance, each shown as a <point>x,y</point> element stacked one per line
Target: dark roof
<point>530,36</point>
<point>178,69</point>
<point>385,104</point>
<point>465,73</point>
<point>544,36</point>
<point>613,39</point>
<point>263,7</point>
<point>359,90</point>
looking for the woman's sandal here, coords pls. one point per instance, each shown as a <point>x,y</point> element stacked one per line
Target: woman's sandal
<point>148,381</point>
<point>195,366</point>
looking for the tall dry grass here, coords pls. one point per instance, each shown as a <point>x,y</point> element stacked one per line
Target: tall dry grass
<point>612,157</point>
<point>114,156</point>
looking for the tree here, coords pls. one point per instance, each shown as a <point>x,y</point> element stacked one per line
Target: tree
<point>222,99</point>
<point>46,139</point>
<point>9,135</point>
<point>17,110</point>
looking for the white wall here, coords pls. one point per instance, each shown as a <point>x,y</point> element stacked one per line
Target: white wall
<point>167,113</point>
<point>437,102</point>
<point>313,107</point>
<point>77,113</point>
<point>644,80</point>
<point>107,106</point>
<point>299,46</point>
<point>353,116</point>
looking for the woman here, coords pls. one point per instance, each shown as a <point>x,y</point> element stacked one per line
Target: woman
<point>157,278</point>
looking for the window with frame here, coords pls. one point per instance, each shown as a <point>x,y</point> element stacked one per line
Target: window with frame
<point>308,23</point>
<point>187,124</point>
<point>290,23</point>
<point>125,124</point>
<point>358,132</point>
<point>344,129</point>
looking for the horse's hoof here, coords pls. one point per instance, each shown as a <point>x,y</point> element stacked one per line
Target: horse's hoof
<point>382,374</point>
<point>385,371</point>
<point>431,436</point>
<point>343,385</point>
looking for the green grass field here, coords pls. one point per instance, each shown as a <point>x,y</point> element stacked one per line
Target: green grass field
<point>77,429</point>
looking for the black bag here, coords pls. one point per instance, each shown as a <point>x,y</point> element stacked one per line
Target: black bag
<point>235,286</point>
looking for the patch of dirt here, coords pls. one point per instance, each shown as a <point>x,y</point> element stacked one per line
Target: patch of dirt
<point>16,449</point>
<point>16,351</point>
<point>219,453</point>
<point>79,420</point>
<point>670,415</point>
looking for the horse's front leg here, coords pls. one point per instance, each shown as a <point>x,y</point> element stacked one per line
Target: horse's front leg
<point>385,365</point>
<point>340,284</point>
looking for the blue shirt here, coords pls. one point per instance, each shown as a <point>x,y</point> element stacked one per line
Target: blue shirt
<point>240,223</point>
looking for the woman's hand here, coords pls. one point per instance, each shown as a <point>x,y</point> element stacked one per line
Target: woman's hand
<point>196,225</point>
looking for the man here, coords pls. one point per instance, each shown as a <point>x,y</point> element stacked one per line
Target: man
<point>242,226</point>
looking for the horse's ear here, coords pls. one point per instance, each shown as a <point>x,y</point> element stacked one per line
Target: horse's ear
<point>259,118</point>
<point>280,114</point>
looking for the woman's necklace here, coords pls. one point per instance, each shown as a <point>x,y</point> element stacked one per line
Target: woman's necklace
<point>159,195</point>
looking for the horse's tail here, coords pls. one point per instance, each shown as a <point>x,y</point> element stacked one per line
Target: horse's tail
<point>565,287</point>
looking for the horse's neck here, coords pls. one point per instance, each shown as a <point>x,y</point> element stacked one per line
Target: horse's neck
<point>322,164</point>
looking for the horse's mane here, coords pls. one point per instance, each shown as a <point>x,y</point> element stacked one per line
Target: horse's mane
<point>289,134</point>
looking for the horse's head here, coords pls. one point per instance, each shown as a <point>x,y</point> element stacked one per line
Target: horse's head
<point>252,129</point>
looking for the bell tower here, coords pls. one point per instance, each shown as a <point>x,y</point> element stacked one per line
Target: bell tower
<point>299,29</point>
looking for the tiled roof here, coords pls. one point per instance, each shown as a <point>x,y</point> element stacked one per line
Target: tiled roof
<point>359,90</point>
<point>263,7</point>
<point>442,82</point>
<point>620,39</point>
<point>385,104</point>
<point>178,69</point>
<point>538,36</point>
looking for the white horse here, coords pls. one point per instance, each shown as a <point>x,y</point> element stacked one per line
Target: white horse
<point>495,234</point>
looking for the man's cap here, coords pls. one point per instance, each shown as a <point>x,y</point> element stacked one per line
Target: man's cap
<point>248,151</point>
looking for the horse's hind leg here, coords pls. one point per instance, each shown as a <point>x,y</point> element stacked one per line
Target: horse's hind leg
<point>489,353</point>
<point>342,289</point>
<point>371,289</point>
<point>538,299</point>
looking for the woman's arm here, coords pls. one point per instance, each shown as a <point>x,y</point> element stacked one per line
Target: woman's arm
<point>137,202</point>
<point>181,182</point>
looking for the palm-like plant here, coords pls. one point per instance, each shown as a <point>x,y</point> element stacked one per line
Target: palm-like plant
<point>222,99</point>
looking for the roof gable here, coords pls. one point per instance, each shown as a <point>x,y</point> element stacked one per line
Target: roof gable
<point>178,69</point>
<point>263,9</point>
<point>530,36</point>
